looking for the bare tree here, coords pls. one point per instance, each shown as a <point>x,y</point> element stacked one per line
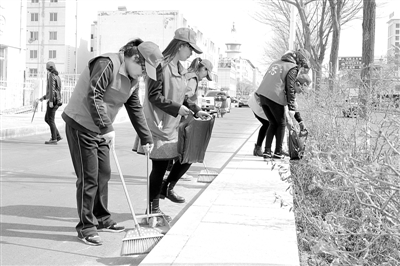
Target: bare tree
<point>368,46</point>
<point>315,28</point>
<point>340,9</point>
<point>276,46</point>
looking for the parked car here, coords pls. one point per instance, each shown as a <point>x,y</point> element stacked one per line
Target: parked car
<point>208,101</point>
<point>351,108</point>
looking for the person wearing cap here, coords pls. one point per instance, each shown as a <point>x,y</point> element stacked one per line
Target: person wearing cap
<point>108,82</point>
<point>198,69</point>
<point>163,108</point>
<point>53,84</point>
<point>278,89</point>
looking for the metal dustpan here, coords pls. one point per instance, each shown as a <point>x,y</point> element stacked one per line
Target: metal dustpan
<point>34,107</point>
<point>206,176</point>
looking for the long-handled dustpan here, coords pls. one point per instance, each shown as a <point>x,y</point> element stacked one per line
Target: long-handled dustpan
<point>140,240</point>
<point>153,219</point>
<point>206,176</point>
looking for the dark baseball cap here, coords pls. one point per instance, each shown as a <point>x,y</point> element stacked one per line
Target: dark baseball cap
<point>152,56</point>
<point>189,36</point>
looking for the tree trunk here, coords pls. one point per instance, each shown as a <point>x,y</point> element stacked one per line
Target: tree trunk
<point>336,10</point>
<point>368,46</point>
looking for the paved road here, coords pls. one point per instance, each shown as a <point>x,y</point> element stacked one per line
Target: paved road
<point>38,212</point>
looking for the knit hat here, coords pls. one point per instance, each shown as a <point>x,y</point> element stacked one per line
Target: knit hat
<point>50,65</point>
<point>303,57</point>
<point>189,36</point>
<point>153,57</point>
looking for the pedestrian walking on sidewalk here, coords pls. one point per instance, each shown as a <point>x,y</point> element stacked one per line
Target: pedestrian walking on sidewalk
<point>278,89</point>
<point>107,83</point>
<point>163,108</point>
<point>53,88</point>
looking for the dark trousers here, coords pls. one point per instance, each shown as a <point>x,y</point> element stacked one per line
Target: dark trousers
<point>91,159</point>
<point>277,121</point>
<point>49,119</point>
<point>262,133</point>
<point>158,171</point>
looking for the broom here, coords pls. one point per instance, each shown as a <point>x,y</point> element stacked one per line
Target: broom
<point>140,240</point>
<point>206,176</point>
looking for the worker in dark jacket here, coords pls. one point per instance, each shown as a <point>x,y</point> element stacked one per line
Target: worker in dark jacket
<point>109,82</point>
<point>278,89</point>
<point>53,84</point>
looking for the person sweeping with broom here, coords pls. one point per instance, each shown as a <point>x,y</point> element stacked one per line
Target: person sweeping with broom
<point>108,82</point>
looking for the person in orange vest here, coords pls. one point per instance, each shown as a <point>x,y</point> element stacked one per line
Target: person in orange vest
<point>278,89</point>
<point>109,82</point>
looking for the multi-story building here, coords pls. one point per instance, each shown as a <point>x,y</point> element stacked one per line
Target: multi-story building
<point>110,33</point>
<point>12,54</point>
<point>236,74</point>
<point>52,35</point>
<point>393,49</point>
<point>12,40</point>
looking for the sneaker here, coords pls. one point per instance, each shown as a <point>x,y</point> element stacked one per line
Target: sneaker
<point>59,138</point>
<point>186,177</point>
<point>51,141</point>
<point>278,156</point>
<point>93,240</point>
<point>267,155</point>
<point>115,228</point>
<point>285,153</point>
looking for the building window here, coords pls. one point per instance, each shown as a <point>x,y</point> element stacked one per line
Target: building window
<point>53,35</point>
<point>53,16</point>
<point>3,64</point>
<point>34,16</point>
<point>34,36</point>
<point>33,72</point>
<point>397,44</point>
<point>91,36</point>
<point>397,25</point>
<point>397,38</point>
<point>52,54</point>
<point>53,1</point>
<point>397,31</point>
<point>91,49</point>
<point>33,54</point>
<point>34,1</point>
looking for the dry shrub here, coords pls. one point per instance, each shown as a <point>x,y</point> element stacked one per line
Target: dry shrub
<point>346,189</point>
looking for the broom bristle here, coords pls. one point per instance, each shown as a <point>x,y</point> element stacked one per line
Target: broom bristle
<point>134,244</point>
<point>206,177</point>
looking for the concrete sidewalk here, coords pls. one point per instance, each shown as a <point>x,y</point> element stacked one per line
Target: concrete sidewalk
<point>236,220</point>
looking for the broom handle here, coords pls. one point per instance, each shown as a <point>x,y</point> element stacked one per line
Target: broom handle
<point>125,189</point>
<point>204,164</point>
<point>148,183</point>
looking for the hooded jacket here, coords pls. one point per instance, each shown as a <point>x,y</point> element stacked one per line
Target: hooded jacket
<point>278,83</point>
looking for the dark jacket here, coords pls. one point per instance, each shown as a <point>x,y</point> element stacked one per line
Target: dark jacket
<point>53,83</point>
<point>290,81</point>
<point>102,89</point>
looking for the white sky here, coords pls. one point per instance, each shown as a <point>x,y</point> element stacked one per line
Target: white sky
<point>215,17</point>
